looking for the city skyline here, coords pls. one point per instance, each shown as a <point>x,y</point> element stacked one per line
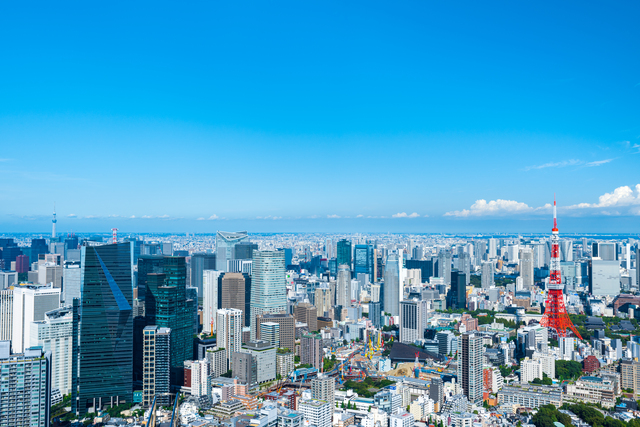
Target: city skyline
<point>383,119</point>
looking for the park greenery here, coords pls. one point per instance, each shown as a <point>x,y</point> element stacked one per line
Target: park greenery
<point>547,415</point>
<point>363,387</point>
<point>544,381</point>
<point>568,369</point>
<point>595,418</point>
<point>328,364</point>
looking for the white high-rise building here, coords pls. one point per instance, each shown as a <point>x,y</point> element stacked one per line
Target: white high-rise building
<point>470,358</point>
<point>567,345</point>
<point>403,419</point>
<point>487,274</point>
<point>526,268</point>
<point>324,388</point>
<point>530,369</point>
<point>225,247</point>
<point>6,314</point>
<point>229,331</point>
<point>199,374</point>
<point>413,320</point>
<point>50,273</point>
<point>268,285</point>
<point>72,278</point>
<point>210,299</point>
<point>392,287</point>
<point>54,334</point>
<point>30,303</point>
<point>343,289</point>
<point>493,248</point>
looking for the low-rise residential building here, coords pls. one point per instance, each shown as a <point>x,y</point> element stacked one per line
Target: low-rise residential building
<point>593,390</point>
<point>402,419</point>
<point>530,396</point>
<point>316,412</point>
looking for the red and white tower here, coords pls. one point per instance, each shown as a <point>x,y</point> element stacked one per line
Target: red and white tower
<point>555,313</point>
<point>114,234</point>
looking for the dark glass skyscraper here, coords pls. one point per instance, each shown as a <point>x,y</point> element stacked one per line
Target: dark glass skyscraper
<point>425,267</point>
<point>457,295</point>
<point>344,252</point>
<point>167,306</point>
<point>106,327</point>
<point>199,263</point>
<point>363,261</point>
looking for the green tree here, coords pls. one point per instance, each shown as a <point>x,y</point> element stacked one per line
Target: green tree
<point>568,369</point>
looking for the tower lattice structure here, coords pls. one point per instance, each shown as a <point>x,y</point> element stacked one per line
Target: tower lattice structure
<point>555,313</point>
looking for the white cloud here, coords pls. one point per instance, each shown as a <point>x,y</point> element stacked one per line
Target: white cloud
<point>561,164</point>
<point>147,216</point>
<point>92,217</point>
<point>132,216</point>
<point>214,216</point>
<point>359,216</point>
<point>405,215</point>
<point>598,162</point>
<point>72,216</point>
<point>333,216</point>
<point>492,208</point>
<point>621,197</point>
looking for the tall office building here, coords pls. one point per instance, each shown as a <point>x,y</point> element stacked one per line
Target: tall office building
<point>6,314</point>
<point>199,263</point>
<point>526,268</point>
<point>493,248</point>
<point>343,252</point>
<point>147,264</point>
<point>464,265</point>
<point>232,292</point>
<point>566,250</point>
<point>457,295</point>
<point>487,278</point>
<point>286,329</point>
<point>167,306</point>
<point>425,267</point>
<point>324,388</point>
<point>244,250</point>
<point>343,288</point>
<point>38,246</point>
<point>106,328</point>
<point>322,301</point>
<point>479,251</point>
<point>54,335</point>
<point>225,247</point>
<point>72,281</point>
<point>311,349</point>
<point>245,368</point>
<point>210,300</point>
<point>307,313</point>
<point>25,397</point>
<point>30,303</point>
<point>413,320</point>
<point>268,285</point>
<point>606,251</point>
<point>604,277</point>
<point>375,314</point>
<point>265,355</point>
<point>157,366</point>
<point>638,265</point>
<point>470,359</point>
<point>444,266</point>
<point>363,260</point>
<point>229,331</point>
<point>391,286</point>
<point>270,332</point>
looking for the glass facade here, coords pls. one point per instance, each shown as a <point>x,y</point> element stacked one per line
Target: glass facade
<point>363,261</point>
<point>268,286</point>
<point>344,252</point>
<point>106,327</point>
<point>225,247</point>
<point>167,306</point>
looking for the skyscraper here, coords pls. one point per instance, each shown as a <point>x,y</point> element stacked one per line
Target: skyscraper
<point>232,292</point>
<point>30,303</point>
<point>413,320</point>
<point>444,266</point>
<point>229,331</point>
<point>157,366</point>
<point>470,358</point>
<point>526,268</point>
<point>464,262</point>
<point>225,247</point>
<point>106,327</point>
<point>363,261</point>
<point>210,300</point>
<point>487,274</point>
<point>199,263</point>
<point>457,295</point>
<point>343,288</point>
<point>54,335</point>
<point>392,285</point>
<point>344,252</point>
<point>167,306</point>
<point>268,285</point>
<point>6,314</point>
<point>25,397</point>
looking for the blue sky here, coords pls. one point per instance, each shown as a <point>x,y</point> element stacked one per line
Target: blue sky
<point>323,115</point>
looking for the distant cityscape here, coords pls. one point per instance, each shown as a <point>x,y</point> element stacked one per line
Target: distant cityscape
<point>389,330</point>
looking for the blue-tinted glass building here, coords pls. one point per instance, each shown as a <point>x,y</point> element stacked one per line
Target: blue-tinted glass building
<point>105,376</point>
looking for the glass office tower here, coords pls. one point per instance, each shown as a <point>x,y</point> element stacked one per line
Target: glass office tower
<point>167,306</point>
<point>105,375</point>
<point>363,261</point>
<point>344,252</point>
<point>225,247</point>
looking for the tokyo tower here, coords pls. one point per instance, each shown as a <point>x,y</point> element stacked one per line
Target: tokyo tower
<point>555,313</point>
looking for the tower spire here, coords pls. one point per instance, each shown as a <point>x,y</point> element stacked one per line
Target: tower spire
<point>555,313</point>
<point>54,220</point>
